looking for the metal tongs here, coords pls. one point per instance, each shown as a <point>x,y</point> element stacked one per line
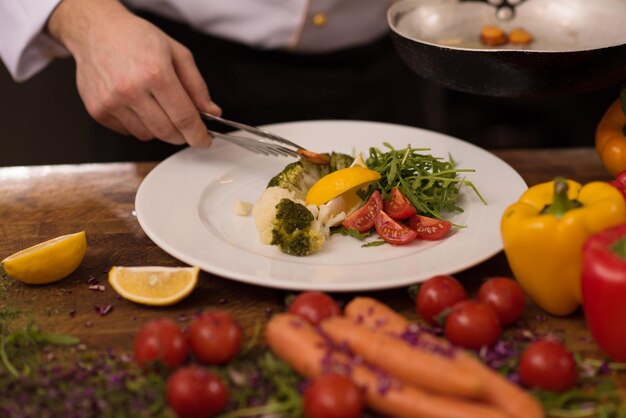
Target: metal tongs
<point>264,142</point>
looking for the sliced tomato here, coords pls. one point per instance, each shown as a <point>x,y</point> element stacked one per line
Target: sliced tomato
<point>393,232</point>
<point>429,228</point>
<point>363,219</point>
<point>398,206</point>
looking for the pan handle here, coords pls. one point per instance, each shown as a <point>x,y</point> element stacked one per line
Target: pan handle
<point>505,9</point>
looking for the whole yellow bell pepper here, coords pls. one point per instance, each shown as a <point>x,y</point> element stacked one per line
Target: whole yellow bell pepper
<point>611,136</point>
<point>543,235</point>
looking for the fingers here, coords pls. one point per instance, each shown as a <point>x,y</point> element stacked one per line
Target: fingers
<point>182,112</point>
<point>133,108</point>
<point>192,81</point>
<point>157,121</point>
<point>112,123</point>
<point>126,121</point>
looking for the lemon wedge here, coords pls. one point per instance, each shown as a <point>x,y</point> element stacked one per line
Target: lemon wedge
<point>339,182</point>
<point>48,261</point>
<point>153,285</point>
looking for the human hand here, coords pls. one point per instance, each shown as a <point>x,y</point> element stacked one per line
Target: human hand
<point>131,76</point>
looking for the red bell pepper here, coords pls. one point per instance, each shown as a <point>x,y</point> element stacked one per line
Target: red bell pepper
<point>620,182</point>
<point>604,289</point>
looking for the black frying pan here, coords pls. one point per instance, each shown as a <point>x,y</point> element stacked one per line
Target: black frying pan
<point>579,45</point>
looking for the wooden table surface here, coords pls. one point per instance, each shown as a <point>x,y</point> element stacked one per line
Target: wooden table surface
<point>41,202</point>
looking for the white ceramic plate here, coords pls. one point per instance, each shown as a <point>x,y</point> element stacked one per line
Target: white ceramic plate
<point>185,205</point>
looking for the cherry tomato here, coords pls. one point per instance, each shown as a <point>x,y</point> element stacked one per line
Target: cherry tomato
<point>505,296</point>
<point>160,342</point>
<point>195,392</point>
<point>472,324</point>
<point>333,396</point>
<point>436,294</point>
<point>546,364</point>
<point>215,337</point>
<point>363,219</point>
<point>314,307</point>
<point>393,232</point>
<point>429,229</point>
<point>399,206</point>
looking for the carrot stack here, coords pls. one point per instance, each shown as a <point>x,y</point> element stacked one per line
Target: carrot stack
<point>404,373</point>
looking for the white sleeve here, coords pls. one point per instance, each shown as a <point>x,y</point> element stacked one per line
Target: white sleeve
<point>25,48</point>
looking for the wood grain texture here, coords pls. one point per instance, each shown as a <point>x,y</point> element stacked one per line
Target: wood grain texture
<point>39,203</point>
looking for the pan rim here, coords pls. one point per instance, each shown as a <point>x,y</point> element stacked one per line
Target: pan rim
<point>392,12</point>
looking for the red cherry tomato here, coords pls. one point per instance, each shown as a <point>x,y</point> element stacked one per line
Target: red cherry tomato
<point>505,296</point>
<point>363,219</point>
<point>398,206</point>
<point>314,307</point>
<point>215,337</point>
<point>472,324</point>
<point>333,396</point>
<point>547,365</point>
<point>436,294</point>
<point>160,342</point>
<point>393,232</point>
<point>195,392</point>
<point>429,229</point>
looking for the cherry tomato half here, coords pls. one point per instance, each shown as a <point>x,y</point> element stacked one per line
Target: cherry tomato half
<point>505,296</point>
<point>546,364</point>
<point>398,206</point>
<point>195,392</point>
<point>314,307</point>
<point>429,229</point>
<point>472,324</point>
<point>215,337</point>
<point>393,232</point>
<point>333,396</point>
<point>436,294</point>
<point>363,219</point>
<point>160,342</point>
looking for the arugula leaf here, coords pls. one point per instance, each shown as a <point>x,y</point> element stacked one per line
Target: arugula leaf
<point>350,232</point>
<point>430,183</point>
<point>377,243</point>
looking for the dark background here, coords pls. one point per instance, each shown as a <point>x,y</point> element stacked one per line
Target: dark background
<point>43,121</point>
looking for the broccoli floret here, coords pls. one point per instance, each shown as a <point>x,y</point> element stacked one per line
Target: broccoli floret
<point>298,177</point>
<point>288,176</point>
<point>339,161</point>
<point>293,229</point>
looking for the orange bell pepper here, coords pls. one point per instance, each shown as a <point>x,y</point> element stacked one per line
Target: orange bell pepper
<point>611,136</point>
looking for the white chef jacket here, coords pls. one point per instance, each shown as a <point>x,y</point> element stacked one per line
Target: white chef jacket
<point>309,26</point>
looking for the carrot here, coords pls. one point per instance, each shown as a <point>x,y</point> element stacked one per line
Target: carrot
<point>418,364</point>
<point>292,339</point>
<point>499,391</point>
<point>376,315</point>
<point>310,354</point>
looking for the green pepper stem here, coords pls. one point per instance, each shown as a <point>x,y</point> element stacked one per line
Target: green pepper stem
<point>561,203</point>
<point>619,248</point>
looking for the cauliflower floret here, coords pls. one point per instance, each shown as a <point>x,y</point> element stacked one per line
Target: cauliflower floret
<point>264,211</point>
<point>242,207</point>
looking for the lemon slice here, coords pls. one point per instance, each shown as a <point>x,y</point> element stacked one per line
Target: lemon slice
<point>153,285</point>
<point>339,182</point>
<point>48,261</point>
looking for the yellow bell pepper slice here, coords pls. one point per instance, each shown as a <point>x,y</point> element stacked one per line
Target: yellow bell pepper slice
<point>543,234</point>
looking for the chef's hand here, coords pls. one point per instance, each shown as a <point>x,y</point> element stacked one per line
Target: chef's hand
<point>131,76</point>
